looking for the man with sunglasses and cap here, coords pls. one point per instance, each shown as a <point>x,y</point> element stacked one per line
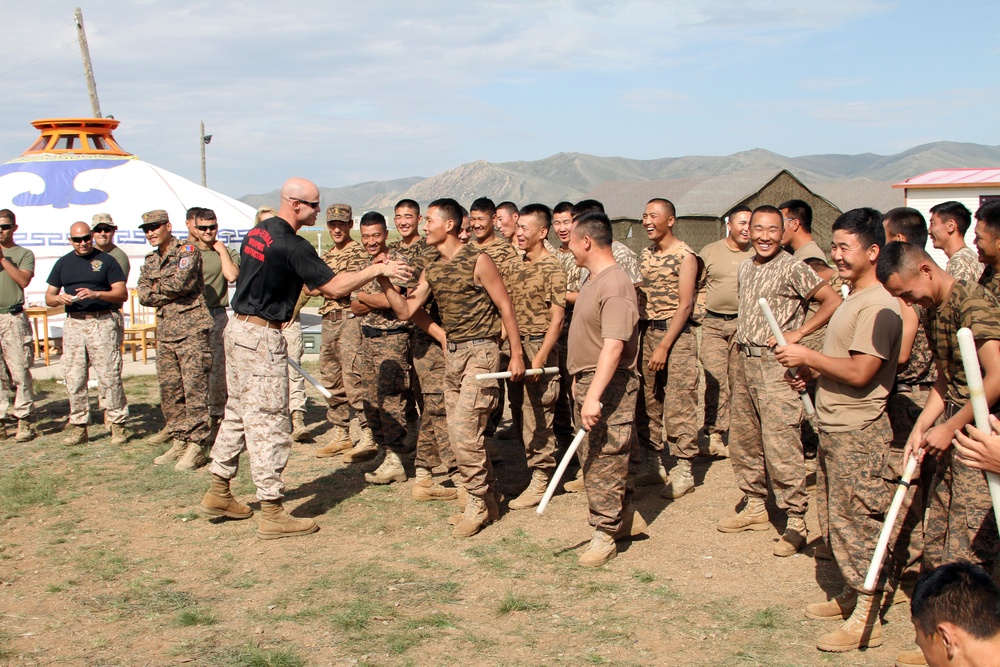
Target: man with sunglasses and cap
<point>104,230</point>
<point>90,284</point>
<point>17,268</point>
<point>171,281</point>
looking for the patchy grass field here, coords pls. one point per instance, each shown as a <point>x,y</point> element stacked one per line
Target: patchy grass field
<point>104,560</point>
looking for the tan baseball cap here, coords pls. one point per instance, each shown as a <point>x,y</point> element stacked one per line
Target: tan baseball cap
<point>339,213</point>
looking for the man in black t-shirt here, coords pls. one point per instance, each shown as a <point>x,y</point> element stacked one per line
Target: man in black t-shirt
<point>274,264</point>
<point>93,290</point>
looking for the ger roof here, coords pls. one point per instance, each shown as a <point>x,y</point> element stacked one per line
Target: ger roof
<point>953,178</point>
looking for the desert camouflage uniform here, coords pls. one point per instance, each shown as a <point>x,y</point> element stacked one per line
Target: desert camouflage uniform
<point>292,331</point>
<point>670,394</point>
<point>964,265</point>
<point>505,256</point>
<point>94,341</point>
<point>174,285</point>
<point>257,410</point>
<point>385,368</point>
<point>15,337</point>
<point>562,421</point>
<point>959,523</point>
<point>472,324</point>
<point>765,412</point>
<point>537,285</point>
<point>990,280</point>
<point>336,353</point>
<point>217,301</point>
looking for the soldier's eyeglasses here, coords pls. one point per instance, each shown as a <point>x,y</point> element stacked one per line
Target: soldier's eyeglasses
<point>81,239</point>
<point>6,227</point>
<point>152,227</point>
<point>206,228</point>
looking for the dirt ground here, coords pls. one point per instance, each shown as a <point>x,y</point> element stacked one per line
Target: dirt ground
<point>104,560</point>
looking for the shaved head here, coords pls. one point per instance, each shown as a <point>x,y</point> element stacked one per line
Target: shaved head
<point>299,203</point>
<point>300,188</point>
<point>79,229</point>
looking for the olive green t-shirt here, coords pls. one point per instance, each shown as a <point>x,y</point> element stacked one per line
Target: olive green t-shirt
<point>216,285</point>
<point>122,260</point>
<point>11,293</point>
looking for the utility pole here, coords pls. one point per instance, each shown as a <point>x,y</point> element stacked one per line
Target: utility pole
<point>204,140</point>
<point>88,69</point>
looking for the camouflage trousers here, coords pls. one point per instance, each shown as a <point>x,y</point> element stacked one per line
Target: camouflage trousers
<point>510,393</point>
<point>385,375</point>
<point>94,342</point>
<point>256,418</point>
<point>718,355</point>
<point>562,421</point>
<point>669,395</point>
<point>217,394</point>
<point>331,370</point>
<point>350,357</point>
<point>764,433</point>
<point>433,447</point>
<point>538,409</point>
<point>468,403</point>
<point>854,486</point>
<point>607,448</point>
<point>183,367</point>
<point>296,383</point>
<point>18,356</point>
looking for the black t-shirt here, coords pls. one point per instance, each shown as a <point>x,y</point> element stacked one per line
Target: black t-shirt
<point>274,263</point>
<point>97,271</point>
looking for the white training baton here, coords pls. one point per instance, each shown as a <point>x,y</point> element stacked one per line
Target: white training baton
<point>548,370</point>
<point>554,482</point>
<point>313,381</point>
<point>889,523</point>
<point>846,291</point>
<point>980,409</point>
<point>780,337</point>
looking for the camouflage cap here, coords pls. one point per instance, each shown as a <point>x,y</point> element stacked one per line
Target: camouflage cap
<point>153,217</point>
<point>339,213</point>
<point>103,219</point>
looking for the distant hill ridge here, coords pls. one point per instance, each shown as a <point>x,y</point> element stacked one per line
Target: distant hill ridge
<point>571,176</point>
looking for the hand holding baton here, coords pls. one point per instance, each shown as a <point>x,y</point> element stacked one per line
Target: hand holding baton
<point>780,337</point>
<point>313,381</point>
<point>980,409</point>
<point>548,370</point>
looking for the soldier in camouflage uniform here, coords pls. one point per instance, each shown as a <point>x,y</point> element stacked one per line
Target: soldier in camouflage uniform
<point>338,329</point>
<point>93,288</point>
<point>988,245</point>
<point>469,292</point>
<point>171,281</point>
<point>765,413</point>
<point>959,522</point>
<point>562,223</point>
<point>855,371</point>
<point>605,331</point>
<point>948,224</point>
<point>17,268</point>
<point>539,296</point>
<point>669,349</point>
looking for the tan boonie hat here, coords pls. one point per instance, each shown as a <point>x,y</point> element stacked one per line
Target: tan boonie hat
<point>103,219</point>
<point>153,217</point>
<point>339,213</point>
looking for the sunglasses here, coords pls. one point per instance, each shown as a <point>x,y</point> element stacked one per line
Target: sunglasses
<point>310,204</point>
<point>81,239</point>
<point>6,227</point>
<point>103,230</point>
<point>152,227</point>
<point>206,228</point>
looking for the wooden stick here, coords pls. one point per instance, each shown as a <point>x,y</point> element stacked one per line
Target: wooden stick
<point>548,370</point>
<point>780,337</point>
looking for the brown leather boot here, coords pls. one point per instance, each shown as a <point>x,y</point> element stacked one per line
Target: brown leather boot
<point>753,516</point>
<point>632,524</point>
<point>25,430</point>
<point>862,630</point>
<point>339,442</point>
<point>160,437</point>
<point>219,501</point>
<point>532,495</point>
<point>425,488</point>
<point>119,434</point>
<point>75,435</point>
<point>475,518</point>
<point>274,522</point>
<point>300,432</point>
<point>839,608</point>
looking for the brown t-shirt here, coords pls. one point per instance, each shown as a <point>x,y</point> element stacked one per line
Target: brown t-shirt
<point>721,265</point>
<point>606,308</point>
<point>868,322</point>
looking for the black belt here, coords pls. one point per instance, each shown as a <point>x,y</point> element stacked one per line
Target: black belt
<point>721,316</point>
<point>905,388</point>
<point>13,310</point>
<point>372,332</point>
<point>753,350</point>
<point>88,315</point>
<point>215,310</point>
<point>459,344</point>
<point>533,337</point>
<point>660,325</point>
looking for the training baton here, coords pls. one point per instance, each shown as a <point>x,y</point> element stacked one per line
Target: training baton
<point>980,410</point>
<point>313,381</point>
<point>548,370</point>
<point>890,521</point>
<point>554,482</point>
<point>780,337</point>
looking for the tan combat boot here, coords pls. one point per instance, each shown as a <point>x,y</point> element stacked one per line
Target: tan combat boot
<point>862,630</point>
<point>476,516</point>
<point>219,501</point>
<point>25,431</point>
<point>425,488</point>
<point>602,548</point>
<point>839,608</point>
<point>632,524</point>
<point>177,449</point>
<point>575,485</point>
<point>794,537</point>
<point>717,446</point>
<point>193,457</point>
<point>300,433</point>
<point>339,442</point>
<point>75,435</point>
<point>911,659</point>
<point>652,470</point>
<point>532,495</point>
<point>119,434</point>
<point>822,551</point>
<point>390,471</point>
<point>463,495</point>
<point>681,480</point>
<point>365,450</point>
<point>159,438</point>
<point>274,522</point>
<point>752,517</point>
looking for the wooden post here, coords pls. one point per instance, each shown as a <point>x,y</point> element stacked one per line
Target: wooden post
<point>88,69</point>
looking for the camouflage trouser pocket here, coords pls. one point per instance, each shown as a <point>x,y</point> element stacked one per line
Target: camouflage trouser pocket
<point>486,398</point>
<point>872,493</point>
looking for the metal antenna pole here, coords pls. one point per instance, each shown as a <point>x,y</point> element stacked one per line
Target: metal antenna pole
<point>88,69</point>
<point>201,140</point>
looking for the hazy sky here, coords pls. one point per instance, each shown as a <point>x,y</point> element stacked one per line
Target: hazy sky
<point>343,92</point>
